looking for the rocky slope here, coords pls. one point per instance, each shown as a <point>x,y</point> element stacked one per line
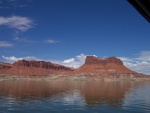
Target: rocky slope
<point>24,67</point>
<point>104,66</point>
<point>111,66</point>
<point>5,65</point>
<point>41,64</point>
<point>93,66</point>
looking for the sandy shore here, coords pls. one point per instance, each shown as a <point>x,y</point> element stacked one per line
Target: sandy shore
<point>73,77</point>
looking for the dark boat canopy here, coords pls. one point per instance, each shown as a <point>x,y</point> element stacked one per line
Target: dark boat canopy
<point>143,7</point>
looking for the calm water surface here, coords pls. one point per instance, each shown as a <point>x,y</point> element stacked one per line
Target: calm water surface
<point>23,96</point>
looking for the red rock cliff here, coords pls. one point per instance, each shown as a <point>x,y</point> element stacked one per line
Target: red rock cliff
<point>95,60</point>
<point>93,66</point>
<point>5,66</point>
<point>41,68</point>
<point>41,64</point>
<point>111,65</point>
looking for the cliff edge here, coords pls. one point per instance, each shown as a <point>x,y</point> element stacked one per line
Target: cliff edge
<point>93,66</point>
<point>111,66</point>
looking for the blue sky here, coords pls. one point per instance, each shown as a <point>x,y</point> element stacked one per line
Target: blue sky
<point>65,31</point>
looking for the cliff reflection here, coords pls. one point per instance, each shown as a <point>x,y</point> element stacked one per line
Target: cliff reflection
<point>93,92</point>
<point>111,93</point>
<point>24,89</point>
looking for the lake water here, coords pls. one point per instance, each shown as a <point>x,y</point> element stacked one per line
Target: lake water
<point>27,96</point>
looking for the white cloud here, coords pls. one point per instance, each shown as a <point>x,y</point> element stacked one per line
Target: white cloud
<point>14,3</point>
<point>51,41</point>
<point>72,62</point>
<point>13,59</point>
<point>69,60</point>
<point>17,22</point>
<point>81,57</point>
<point>75,62</point>
<point>5,44</point>
<point>139,64</point>
<point>22,40</point>
<point>94,55</point>
<point>144,55</point>
<point>125,59</point>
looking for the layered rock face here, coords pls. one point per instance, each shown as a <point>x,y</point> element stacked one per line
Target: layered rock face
<point>5,66</point>
<point>95,60</point>
<point>41,64</point>
<point>34,68</point>
<point>112,65</point>
<point>93,66</point>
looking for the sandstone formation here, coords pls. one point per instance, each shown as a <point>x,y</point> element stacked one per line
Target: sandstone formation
<point>5,65</point>
<point>41,64</point>
<point>104,66</point>
<point>109,67</point>
<point>93,66</point>
<point>23,67</point>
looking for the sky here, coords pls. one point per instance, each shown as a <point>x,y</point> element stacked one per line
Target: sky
<point>66,31</point>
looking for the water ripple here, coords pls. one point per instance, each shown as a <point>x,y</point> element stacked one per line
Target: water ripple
<point>77,96</point>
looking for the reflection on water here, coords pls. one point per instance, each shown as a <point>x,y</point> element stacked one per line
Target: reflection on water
<point>111,93</point>
<point>72,96</point>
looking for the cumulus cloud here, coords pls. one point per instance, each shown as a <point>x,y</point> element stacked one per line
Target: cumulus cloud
<point>17,22</point>
<point>13,59</point>
<point>5,44</point>
<point>75,62</point>
<point>144,55</point>
<point>141,63</point>
<point>69,60</point>
<point>51,41</point>
<point>72,62</point>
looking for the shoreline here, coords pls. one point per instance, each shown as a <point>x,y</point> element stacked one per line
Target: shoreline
<point>71,77</point>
